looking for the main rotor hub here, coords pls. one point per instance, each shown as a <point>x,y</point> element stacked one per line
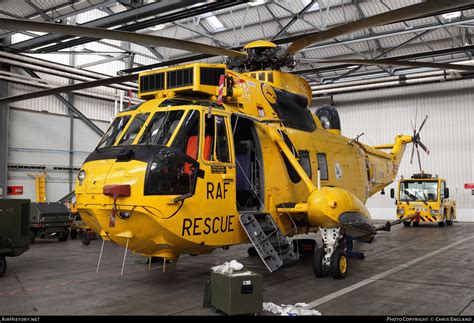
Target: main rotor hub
<point>262,55</point>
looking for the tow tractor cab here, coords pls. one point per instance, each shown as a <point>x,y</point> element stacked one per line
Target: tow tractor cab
<point>171,174</point>
<point>427,198</point>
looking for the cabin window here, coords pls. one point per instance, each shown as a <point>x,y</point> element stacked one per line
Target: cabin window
<point>305,162</point>
<point>293,110</point>
<point>161,127</point>
<point>216,141</point>
<point>441,192</point>
<point>261,76</point>
<point>133,129</point>
<point>114,131</point>
<point>322,166</point>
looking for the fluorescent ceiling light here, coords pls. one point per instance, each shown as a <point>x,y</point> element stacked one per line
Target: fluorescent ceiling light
<point>353,66</point>
<point>158,27</point>
<point>255,3</point>
<point>314,7</point>
<point>215,23</point>
<point>451,15</point>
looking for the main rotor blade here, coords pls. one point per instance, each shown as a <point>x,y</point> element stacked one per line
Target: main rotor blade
<point>69,88</point>
<point>419,160</point>
<point>427,151</point>
<point>394,62</point>
<point>412,153</point>
<point>405,13</point>
<point>99,33</point>
<point>422,124</point>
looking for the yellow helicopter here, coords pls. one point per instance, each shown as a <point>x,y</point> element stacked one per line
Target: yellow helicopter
<point>225,154</point>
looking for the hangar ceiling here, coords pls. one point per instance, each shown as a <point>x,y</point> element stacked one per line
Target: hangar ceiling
<point>443,38</point>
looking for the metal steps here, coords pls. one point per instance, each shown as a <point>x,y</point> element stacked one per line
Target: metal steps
<point>271,245</point>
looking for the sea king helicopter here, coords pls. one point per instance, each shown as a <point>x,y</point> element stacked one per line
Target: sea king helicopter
<point>225,154</point>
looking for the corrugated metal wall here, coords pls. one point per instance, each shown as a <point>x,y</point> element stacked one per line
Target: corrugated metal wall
<point>38,138</point>
<point>449,133</point>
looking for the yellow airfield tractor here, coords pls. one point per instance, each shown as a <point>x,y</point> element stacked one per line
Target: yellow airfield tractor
<point>426,198</point>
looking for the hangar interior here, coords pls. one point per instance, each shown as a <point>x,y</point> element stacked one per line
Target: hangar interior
<point>54,134</point>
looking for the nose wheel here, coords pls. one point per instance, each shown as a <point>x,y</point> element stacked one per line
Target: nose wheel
<point>330,259</point>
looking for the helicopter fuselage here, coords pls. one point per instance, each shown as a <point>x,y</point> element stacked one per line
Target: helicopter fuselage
<point>173,175</point>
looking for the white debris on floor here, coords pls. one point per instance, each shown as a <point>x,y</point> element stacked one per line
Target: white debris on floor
<point>298,309</point>
<point>228,267</point>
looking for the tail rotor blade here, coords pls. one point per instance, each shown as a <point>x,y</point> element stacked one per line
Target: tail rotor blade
<point>419,160</point>
<point>422,124</point>
<point>416,116</point>
<point>424,147</point>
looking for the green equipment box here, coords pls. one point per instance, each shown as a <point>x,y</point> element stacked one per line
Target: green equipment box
<point>14,224</point>
<point>237,293</point>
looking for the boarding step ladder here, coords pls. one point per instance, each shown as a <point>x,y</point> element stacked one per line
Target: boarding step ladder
<point>271,245</point>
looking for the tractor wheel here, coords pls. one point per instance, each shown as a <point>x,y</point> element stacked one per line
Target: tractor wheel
<point>3,265</point>
<point>73,234</point>
<point>451,219</point>
<point>339,264</point>
<point>406,223</point>
<point>85,238</point>
<point>63,235</point>
<point>318,267</point>
<point>442,223</point>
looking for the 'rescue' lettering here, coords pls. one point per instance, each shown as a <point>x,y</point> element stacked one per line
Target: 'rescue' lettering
<point>216,193</point>
<point>200,226</point>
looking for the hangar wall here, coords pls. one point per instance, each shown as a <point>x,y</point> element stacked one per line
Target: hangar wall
<point>42,139</point>
<point>448,133</point>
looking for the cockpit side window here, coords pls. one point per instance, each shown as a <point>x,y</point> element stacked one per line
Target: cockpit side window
<point>216,142</point>
<point>187,139</point>
<point>161,127</point>
<point>133,130</point>
<point>114,131</point>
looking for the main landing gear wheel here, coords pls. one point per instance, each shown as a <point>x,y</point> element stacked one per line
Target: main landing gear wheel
<point>339,264</point>
<point>416,224</point>
<point>406,223</point>
<point>318,265</point>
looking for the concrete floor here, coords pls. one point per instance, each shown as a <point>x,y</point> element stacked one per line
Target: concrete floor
<point>394,279</point>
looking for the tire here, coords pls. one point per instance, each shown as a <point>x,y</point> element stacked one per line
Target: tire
<point>339,264</point>
<point>318,268</point>
<point>63,236</point>
<point>252,252</point>
<point>73,234</point>
<point>416,224</point>
<point>32,235</point>
<point>451,219</point>
<point>86,239</point>
<point>3,265</point>
<point>406,223</point>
